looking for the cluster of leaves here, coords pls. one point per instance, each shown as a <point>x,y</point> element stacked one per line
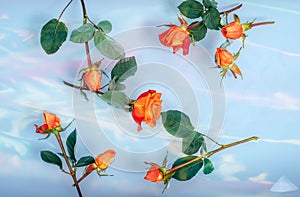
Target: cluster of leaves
<point>54,33</point>
<point>53,158</point>
<point>207,11</point>
<point>123,69</point>
<point>179,125</point>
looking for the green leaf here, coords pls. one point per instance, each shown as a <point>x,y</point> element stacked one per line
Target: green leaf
<point>71,142</point>
<point>212,19</point>
<point>192,143</point>
<point>187,172</point>
<point>191,9</point>
<point>83,33</point>
<point>84,161</point>
<point>115,98</point>
<point>177,123</point>
<point>210,3</point>
<point>105,26</point>
<point>198,32</point>
<point>108,46</point>
<point>53,34</point>
<point>208,166</point>
<point>50,157</point>
<point>123,69</point>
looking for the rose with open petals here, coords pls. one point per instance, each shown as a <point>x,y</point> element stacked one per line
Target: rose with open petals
<point>92,78</point>
<point>147,108</point>
<point>177,37</point>
<point>51,122</point>
<point>154,174</point>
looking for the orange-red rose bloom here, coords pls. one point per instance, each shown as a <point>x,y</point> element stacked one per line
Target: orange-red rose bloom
<point>233,30</point>
<point>51,121</point>
<point>223,57</point>
<point>92,78</point>
<point>147,108</point>
<point>176,37</point>
<point>154,175</point>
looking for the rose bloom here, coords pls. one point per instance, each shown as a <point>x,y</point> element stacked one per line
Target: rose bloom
<point>51,122</point>
<point>177,37</point>
<point>223,57</point>
<point>147,108</point>
<point>154,175</point>
<point>233,30</point>
<point>92,79</point>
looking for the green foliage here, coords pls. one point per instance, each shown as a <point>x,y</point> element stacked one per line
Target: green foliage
<point>84,161</point>
<point>210,3</point>
<point>115,98</point>
<point>105,25</point>
<point>108,46</point>
<point>191,9</point>
<point>123,69</point>
<point>177,123</point>
<point>53,34</point>
<point>187,172</point>
<point>50,157</point>
<point>208,166</point>
<point>83,33</point>
<point>198,32</point>
<point>212,19</point>
<point>192,143</point>
<point>71,142</point>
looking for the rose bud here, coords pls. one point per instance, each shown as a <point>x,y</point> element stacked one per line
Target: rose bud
<point>51,122</point>
<point>154,174</point>
<point>92,78</point>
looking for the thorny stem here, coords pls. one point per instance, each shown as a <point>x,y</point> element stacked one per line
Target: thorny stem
<point>223,147</point>
<point>80,88</point>
<point>64,9</point>
<point>87,49</point>
<point>72,172</point>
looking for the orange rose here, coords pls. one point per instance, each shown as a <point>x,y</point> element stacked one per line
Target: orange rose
<point>223,57</point>
<point>92,78</point>
<point>233,30</point>
<point>177,37</point>
<point>154,175</point>
<point>103,160</point>
<point>51,122</point>
<point>147,108</point>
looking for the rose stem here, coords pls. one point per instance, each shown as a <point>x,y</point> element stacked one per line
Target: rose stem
<point>72,173</point>
<point>64,10</point>
<point>79,87</point>
<point>262,23</point>
<point>87,49</point>
<point>223,147</point>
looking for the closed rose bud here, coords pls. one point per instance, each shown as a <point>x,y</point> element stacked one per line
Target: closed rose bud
<point>51,122</point>
<point>92,79</point>
<point>233,30</point>
<point>154,174</point>
<point>103,160</point>
<point>147,108</point>
<point>223,57</point>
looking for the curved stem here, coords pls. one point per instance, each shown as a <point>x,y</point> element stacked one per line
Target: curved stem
<point>87,49</point>
<point>223,147</point>
<point>232,9</point>
<point>72,172</point>
<point>214,141</point>
<point>64,9</point>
